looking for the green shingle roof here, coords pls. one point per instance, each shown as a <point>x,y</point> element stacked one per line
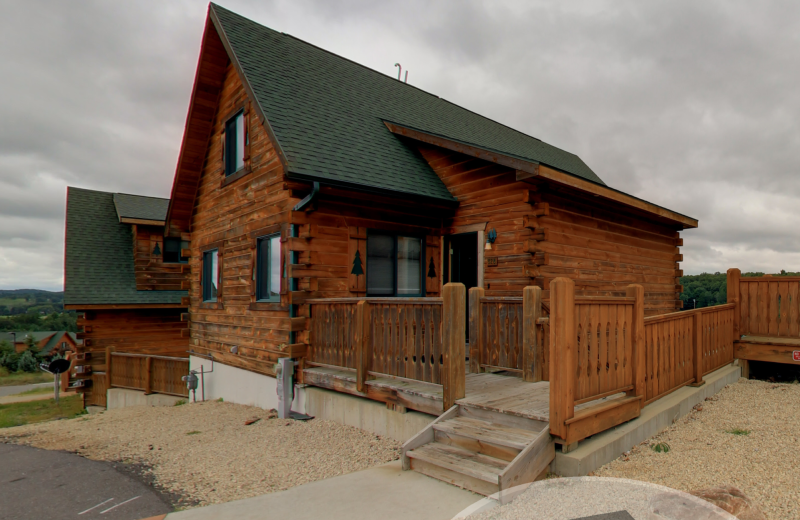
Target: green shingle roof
<point>139,207</point>
<point>327,114</point>
<point>98,262</point>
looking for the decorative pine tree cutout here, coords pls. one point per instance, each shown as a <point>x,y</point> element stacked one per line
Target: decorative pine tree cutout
<point>358,268</point>
<point>156,250</point>
<point>431,270</point>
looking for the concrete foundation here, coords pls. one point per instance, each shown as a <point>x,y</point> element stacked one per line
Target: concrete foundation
<point>235,385</point>
<point>122,398</point>
<point>607,446</point>
<point>359,412</point>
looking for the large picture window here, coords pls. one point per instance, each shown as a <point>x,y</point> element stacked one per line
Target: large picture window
<point>234,144</point>
<point>394,265</point>
<point>268,269</point>
<point>210,275</point>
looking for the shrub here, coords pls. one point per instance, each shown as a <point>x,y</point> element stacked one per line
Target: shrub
<point>27,362</point>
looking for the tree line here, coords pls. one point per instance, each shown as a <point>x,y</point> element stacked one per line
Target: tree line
<point>706,290</point>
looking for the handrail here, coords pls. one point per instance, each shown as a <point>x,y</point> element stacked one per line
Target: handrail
<point>429,300</point>
<point>130,354</point>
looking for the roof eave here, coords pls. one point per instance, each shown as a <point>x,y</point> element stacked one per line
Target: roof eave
<point>530,170</point>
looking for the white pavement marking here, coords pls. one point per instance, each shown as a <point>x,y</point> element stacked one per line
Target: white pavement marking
<point>120,504</point>
<point>95,507</point>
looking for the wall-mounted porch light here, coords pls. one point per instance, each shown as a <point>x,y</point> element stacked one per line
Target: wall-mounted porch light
<point>491,236</point>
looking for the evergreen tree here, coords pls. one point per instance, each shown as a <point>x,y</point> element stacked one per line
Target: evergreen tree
<point>27,362</point>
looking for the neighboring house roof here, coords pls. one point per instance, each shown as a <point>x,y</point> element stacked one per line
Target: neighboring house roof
<point>140,207</point>
<point>37,335</point>
<point>57,339</point>
<point>98,262</point>
<point>327,114</point>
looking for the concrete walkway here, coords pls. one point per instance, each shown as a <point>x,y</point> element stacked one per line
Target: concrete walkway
<point>384,492</point>
<point>18,389</point>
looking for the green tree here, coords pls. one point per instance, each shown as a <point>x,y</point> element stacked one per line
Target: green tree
<point>28,362</point>
<point>8,356</point>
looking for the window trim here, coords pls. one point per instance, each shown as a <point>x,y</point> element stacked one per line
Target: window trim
<point>204,282</point>
<point>423,255</point>
<point>257,270</point>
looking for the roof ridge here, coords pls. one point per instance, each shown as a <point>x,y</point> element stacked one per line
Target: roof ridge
<point>387,77</point>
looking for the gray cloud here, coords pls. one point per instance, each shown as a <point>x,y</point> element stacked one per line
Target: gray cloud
<point>691,105</point>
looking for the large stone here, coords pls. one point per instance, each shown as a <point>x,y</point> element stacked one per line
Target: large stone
<point>732,500</point>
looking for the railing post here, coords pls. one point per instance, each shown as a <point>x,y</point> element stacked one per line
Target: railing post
<point>454,298</point>
<point>363,350</point>
<point>733,297</point>
<point>475,329</point>
<point>697,344</point>
<point>532,351</point>
<point>639,360</point>
<point>563,354</point>
<point>148,365</point>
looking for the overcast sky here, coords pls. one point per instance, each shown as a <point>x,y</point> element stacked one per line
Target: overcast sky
<point>691,105</point>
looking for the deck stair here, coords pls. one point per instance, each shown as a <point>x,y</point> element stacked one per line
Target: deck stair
<point>481,450</point>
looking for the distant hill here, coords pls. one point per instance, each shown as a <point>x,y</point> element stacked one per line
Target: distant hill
<point>21,301</point>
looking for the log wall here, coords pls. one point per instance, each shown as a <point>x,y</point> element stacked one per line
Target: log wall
<point>139,331</point>
<point>545,231</point>
<point>152,274</point>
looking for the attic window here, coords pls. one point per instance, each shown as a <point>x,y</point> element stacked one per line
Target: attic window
<point>234,144</point>
<point>172,250</point>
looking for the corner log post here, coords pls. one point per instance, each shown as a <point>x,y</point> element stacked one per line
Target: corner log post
<point>109,350</point>
<point>454,299</point>
<point>475,329</point>
<point>532,351</point>
<point>563,355</point>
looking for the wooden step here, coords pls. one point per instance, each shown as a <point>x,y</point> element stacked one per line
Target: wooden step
<point>458,466</point>
<point>494,440</point>
<point>498,417</point>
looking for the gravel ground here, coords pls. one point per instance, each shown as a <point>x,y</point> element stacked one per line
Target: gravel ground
<point>205,453</point>
<point>703,453</point>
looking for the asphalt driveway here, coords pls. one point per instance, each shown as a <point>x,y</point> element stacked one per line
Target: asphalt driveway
<point>40,484</point>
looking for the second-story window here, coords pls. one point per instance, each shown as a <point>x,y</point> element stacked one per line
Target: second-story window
<point>268,268</point>
<point>173,250</point>
<point>234,144</point>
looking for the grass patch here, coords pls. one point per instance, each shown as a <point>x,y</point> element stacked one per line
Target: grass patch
<point>37,391</point>
<point>738,431</point>
<point>193,432</point>
<point>179,402</point>
<point>17,414</point>
<point>25,378</point>
<point>661,447</point>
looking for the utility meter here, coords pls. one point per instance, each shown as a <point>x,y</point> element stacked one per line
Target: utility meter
<point>284,372</point>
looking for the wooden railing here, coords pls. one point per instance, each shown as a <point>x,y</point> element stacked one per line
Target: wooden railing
<point>717,335</point>
<point>150,374</point>
<point>421,339</point>
<point>597,350</point>
<point>670,353</point>
<point>509,334</point>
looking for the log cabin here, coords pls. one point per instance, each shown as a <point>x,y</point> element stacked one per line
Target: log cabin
<point>125,281</point>
<point>304,175</point>
<point>48,343</point>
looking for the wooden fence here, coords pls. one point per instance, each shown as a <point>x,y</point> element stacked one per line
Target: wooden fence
<point>150,374</point>
<point>411,338</point>
<point>768,305</point>
<point>509,334</point>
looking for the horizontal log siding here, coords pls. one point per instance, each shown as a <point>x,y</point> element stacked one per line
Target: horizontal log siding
<point>151,272</point>
<point>225,216</point>
<point>598,244</point>
<point>139,331</point>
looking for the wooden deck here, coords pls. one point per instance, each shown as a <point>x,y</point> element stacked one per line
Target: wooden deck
<point>505,394</point>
